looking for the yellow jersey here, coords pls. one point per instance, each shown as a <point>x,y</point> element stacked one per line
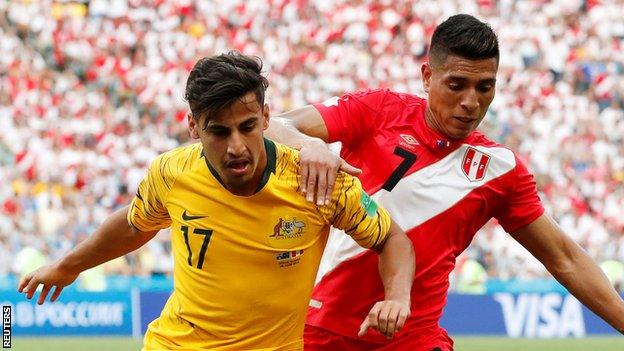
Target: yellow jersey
<point>244,266</point>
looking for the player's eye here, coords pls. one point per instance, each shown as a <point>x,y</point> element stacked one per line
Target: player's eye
<point>485,88</point>
<point>455,86</point>
<point>248,127</point>
<point>220,132</point>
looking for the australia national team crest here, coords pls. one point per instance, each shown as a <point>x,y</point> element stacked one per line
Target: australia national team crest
<point>288,229</point>
<point>475,164</point>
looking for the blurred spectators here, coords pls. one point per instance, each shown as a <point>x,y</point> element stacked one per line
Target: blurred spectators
<point>91,92</point>
<point>614,270</point>
<point>471,277</point>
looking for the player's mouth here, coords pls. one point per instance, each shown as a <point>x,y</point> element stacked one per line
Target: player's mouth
<point>464,120</point>
<point>238,167</point>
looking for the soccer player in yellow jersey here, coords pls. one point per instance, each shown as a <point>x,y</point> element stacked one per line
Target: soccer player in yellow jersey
<point>246,243</point>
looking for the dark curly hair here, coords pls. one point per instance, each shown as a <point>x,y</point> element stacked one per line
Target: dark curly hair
<point>215,83</point>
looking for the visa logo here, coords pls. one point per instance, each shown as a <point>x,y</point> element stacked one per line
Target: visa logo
<point>541,315</point>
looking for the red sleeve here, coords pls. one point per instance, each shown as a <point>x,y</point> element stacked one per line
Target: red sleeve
<point>349,117</point>
<point>522,205</point>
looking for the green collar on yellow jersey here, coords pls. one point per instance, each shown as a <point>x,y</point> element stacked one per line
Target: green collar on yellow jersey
<point>271,153</point>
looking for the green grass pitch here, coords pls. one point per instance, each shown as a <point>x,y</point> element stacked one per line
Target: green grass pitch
<point>461,344</point>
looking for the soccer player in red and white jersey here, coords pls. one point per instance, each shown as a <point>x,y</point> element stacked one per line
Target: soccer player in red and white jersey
<point>441,180</point>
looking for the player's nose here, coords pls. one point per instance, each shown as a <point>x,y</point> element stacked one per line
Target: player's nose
<point>470,101</point>
<point>236,144</point>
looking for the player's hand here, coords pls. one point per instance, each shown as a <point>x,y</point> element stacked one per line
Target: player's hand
<point>318,170</point>
<point>49,276</point>
<point>387,316</point>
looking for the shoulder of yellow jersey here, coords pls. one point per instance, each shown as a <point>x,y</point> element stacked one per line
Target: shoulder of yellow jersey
<point>287,163</point>
<point>171,164</point>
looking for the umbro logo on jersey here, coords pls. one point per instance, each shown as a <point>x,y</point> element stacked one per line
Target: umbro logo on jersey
<point>408,141</point>
<point>188,217</point>
<point>475,164</point>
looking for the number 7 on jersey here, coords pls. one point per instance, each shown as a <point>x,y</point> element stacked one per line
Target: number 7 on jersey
<point>207,233</point>
<point>408,160</point>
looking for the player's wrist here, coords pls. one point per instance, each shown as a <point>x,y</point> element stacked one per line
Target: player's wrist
<point>312,143</point>
<point>66,267</point>
<point>399,298</point>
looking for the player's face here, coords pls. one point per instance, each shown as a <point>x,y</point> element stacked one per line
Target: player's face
<point>460,92</point>
<point>233,143</point>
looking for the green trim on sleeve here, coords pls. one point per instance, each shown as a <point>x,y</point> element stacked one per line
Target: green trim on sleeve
<point>368,204</point>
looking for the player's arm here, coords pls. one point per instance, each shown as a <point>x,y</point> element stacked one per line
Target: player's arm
<point>573,268</point>
<point>353,211</point>
<point>299,127</point>
<point>114,238</point>
<point>122,232</point>
<point>396,268</point>
<point>305,129</point>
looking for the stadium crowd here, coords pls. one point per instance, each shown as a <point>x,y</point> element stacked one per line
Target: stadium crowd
<point>91,92</point>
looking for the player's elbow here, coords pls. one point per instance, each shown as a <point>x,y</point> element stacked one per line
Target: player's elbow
<point>564,264</point>
<point>395,241</point>
<point>561,268</point>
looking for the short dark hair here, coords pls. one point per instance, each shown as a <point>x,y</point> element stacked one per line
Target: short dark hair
<point>464,36</point>
<point>216,82</point>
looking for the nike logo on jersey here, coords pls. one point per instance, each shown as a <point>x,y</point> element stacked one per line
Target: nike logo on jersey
<point>188,217</point>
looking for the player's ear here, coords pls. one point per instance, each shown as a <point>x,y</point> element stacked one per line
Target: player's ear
<point>266,115</point>
<point>425,69</point>
<point>192,126</point>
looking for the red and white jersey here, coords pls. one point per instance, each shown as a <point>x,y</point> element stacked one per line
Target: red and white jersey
<point>440,191</point>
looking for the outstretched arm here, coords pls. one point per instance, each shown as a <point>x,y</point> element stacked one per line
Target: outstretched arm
<point>573,268</point>
<point>305,129</point>
<point>114,238</point>
<point>396,268</point>
<point>297,128</point>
